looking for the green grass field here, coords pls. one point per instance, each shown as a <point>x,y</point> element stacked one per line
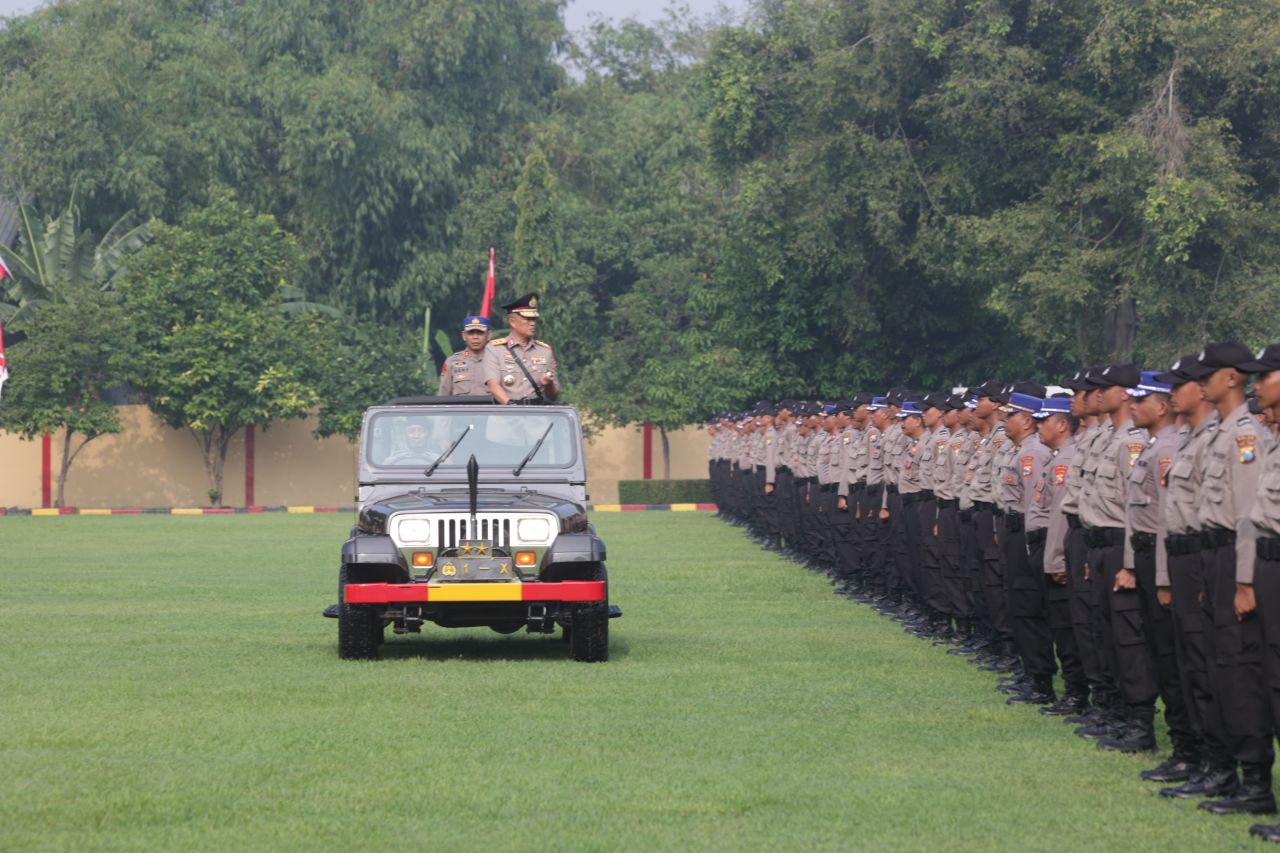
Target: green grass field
<point>168,683</point>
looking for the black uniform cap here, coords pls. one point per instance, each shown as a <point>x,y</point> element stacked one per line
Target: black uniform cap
<point>1117,375</point>
<point>1217,355</point>
<point>525,306</point>
<point>1267,359</point>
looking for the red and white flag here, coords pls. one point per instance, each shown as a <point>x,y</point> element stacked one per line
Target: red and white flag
<point>4,269</point>
<point>4,370</point>
<point>490,283</point>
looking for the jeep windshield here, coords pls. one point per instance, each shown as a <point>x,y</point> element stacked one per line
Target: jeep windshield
<point>417,439</point>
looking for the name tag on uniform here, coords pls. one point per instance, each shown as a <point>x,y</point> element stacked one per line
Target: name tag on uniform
<point>537,359</point>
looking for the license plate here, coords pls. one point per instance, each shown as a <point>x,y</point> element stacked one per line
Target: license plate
<point>474,560</point>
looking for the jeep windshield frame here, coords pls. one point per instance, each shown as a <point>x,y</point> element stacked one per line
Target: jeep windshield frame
<point>401,442</point>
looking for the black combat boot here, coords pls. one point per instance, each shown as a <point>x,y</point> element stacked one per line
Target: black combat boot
<point>1266,832</point>
<point>1138,734</point>
<point>1039,693</point>
<point>1252,797</point>
<point>1215,778</point>
<point>1074,701</point>
<point>1178,767</point>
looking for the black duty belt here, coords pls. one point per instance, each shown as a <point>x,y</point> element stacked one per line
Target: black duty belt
<point>1268,548</point>
<point>1217,537</point>
<point>948,503</point>
<point>875,490</point>
<point>913,498</point>
<point>1103,537</point>
<point>1013,521</point>
<point>1037,536</point>
<point>893,490</point>
<point>830,487</point>
<point>1178,544</point>
<point>983,506</point>
<point>784,469</point>
<point>1142,543</point>
<point>928,494</point>
<point>1073,521</point>
<point>804,481</point>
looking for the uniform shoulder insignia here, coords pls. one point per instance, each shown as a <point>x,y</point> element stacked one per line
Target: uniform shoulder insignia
<point>1246,420</point>
<point>496,341</point>
<point>542,343</point>
<point>1135,431</point>
<point>444,368</point>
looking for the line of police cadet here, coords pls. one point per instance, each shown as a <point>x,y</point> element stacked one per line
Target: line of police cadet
<point>1123,531</point>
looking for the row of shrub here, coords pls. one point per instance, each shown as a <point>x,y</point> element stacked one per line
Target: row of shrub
<point>664,491</point>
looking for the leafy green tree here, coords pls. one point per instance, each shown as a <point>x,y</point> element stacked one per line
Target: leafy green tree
<point>214,351</point>
<point>56,260</point>
<point>70,355</point>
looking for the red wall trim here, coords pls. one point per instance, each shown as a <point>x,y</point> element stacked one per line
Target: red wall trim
<point>248,465</point>
<point>46,470</point>
<point>648,451</point>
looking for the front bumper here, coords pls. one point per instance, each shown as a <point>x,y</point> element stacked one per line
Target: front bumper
<point>417,593</point>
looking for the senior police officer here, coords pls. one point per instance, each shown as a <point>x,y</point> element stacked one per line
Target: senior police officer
<point>520,367</point>
<point>463,372</point>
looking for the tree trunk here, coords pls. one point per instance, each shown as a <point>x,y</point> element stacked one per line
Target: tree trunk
<point>1121,327</point>
<point>68,456</point>
<point>213,446</point>
<point>666,453</point>
<point>62,470</point>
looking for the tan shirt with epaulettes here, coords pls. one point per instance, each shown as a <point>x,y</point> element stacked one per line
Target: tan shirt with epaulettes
<point>1231,475</point>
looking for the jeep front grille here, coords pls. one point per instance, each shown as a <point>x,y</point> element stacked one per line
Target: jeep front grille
<point>451,531</point>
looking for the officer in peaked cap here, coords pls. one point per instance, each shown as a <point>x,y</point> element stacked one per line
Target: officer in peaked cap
<point>463,372</point>
<point>520,367</point>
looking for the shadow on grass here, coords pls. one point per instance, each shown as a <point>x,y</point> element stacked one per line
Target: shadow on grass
<point>434,646</point>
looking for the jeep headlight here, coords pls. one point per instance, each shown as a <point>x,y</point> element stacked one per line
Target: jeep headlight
<point>414,531</point>
<point>533,530</point>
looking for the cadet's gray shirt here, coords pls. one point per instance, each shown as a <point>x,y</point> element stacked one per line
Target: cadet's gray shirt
<point>826,447</point>
<point>772,438</point>
<point>875,455</point>
<point>1024,464</point>
<point>960,449</point>
<point>462,375</point>
<point>1266,508</point>
<point>1105,500</point>
<point>500,364</point>
<point>1085,446</point>
<point>854,459</point>
<point>1056,473</point>
<point>1146,497</point>
<point>909,479</point>
<point>943,460</point>
<point>1186,478</point>
<point>1231,475</point>
<point>928,459</point>
<point>981,476</point>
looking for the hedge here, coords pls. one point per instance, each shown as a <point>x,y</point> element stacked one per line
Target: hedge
<point>664,491</point>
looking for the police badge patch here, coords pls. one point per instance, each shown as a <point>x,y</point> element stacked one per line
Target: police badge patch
<point>1028,462</point>
<point>1248,445</point>
<point>1059,475</point>
<point>1165,462</point>
<point>1135,450</point>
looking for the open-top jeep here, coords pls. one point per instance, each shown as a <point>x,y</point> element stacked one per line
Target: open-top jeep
<point>472,515</point>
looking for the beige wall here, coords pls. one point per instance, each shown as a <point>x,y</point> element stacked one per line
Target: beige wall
<point>150,465</point>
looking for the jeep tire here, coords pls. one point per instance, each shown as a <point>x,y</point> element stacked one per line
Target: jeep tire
<point>359,626</point>
<point>589,632</point>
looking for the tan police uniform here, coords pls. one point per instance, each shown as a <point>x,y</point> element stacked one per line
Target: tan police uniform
<point>502,359</point>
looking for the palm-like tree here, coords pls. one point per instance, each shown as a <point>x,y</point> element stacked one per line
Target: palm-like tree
<point>50,264</point>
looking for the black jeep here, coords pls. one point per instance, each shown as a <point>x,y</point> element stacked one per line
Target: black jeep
<point>472,515</point>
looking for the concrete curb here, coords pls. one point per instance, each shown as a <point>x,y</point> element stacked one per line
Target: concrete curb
<point>300,510</point>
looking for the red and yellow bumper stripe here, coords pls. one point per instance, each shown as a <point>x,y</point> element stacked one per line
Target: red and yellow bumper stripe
<point>415,593</point>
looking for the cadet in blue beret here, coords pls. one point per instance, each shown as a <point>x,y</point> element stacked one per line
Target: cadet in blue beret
<point>462,374</point>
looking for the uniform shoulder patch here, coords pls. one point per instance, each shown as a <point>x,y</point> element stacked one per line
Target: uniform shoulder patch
<point>1028,464</point>
<point>1165,462</point>
<point>444,368</point>
<point>1135,450</point>
<point>1246,421</point>
<point>1059,475</point>
<point>1248,446</point>
<point>542,343</point>
<point>497,341</point>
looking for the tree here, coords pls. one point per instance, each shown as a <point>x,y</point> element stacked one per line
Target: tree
<point>71,354</point>
<point>214,351</point>
<point>58,261</point>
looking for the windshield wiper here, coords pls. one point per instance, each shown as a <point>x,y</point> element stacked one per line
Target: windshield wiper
<point>445,455</point>
<point>532,453</point>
